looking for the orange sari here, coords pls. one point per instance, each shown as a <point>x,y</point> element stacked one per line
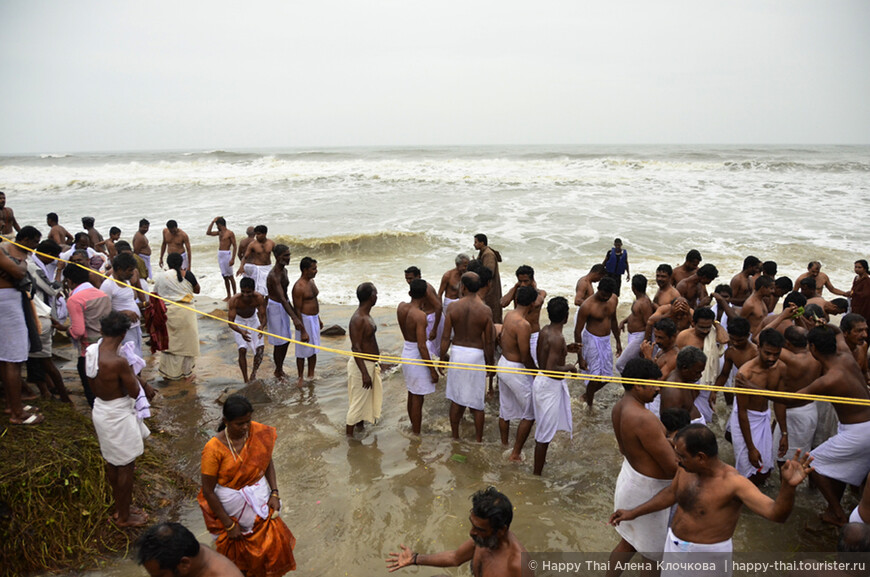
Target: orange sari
<point>267,551</point>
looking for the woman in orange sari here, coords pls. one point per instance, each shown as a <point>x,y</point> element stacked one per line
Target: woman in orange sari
<point>239,496</point>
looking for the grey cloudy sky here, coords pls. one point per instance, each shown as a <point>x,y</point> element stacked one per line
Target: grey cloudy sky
<point>97,75</point>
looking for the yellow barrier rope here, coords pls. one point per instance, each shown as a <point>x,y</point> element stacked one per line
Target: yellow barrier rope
<point>475,367</point>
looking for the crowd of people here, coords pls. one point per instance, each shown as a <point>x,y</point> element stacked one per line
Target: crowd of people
<point>735,339</point>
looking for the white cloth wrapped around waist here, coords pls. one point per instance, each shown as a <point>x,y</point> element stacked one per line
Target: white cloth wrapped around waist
<point>418,379</point>
<point>801,425</point>
<point>119,430</point>
<point>247,503</point>
<point>846,455</point>
<point>312,327</point>
<point>762,438</point>
<point>137,363</point>
<point>683,558</point>
<point>514,391</point>
<point>646,533</point>
<point>552,405</point>
<point>598,354</point>
<point>465,385</point>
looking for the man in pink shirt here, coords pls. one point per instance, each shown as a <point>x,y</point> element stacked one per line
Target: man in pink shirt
<point>86,305</point>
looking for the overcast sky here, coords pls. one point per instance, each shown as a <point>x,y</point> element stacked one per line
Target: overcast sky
<point>119,75</point>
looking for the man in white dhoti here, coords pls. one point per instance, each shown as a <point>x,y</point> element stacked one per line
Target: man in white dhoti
<point>709,495</point>
<point>420,379</point>
<point>449,291</point>
<point>710,337</point>
<point>596,321</point>
<point>305,302</point>
<point>648,466</point>
<point>433,309</point>
<point>635,323</point>
<point>280,311</point>
<point>256,261</point>
<point>801,369</point>
<point>248,308</point>
<point>176,240</point>
<point>226,252</point>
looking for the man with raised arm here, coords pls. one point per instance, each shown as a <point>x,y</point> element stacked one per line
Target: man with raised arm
<point>814,270</point>
<point>694,287</point>
<point>226,252</point>
<point>800,420</point>
<point>433,309</point>
<point>596,321</point>
<point>526,277</point>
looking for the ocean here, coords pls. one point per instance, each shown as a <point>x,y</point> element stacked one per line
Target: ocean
<point>368,213</point>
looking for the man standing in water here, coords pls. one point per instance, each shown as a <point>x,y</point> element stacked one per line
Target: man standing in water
<point>493,549</point>
<point>450,284</point>
<point>526,277</point>
<point>305,302</point>
<point>248,308</point>
<point>280,311</point>
<point>814,270</point>
<point>243,248</point>
<point>688,268</point>
<point>490,259</point>
<point>635,323</point>
<point>433,309</point>
<point>596,321</point>
<point>141,246</point>
<point>8,224</point>
<point>667,291</point>
<point>57,233</point>
<point>256,261</point>
<point>419,379</point>
<point>740,287</point>
<point>176,240</point>
<point>616,264</point>
<point>364,389</point>
<point>226,252</point>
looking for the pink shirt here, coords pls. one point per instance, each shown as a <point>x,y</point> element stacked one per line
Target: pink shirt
<point>87,305</point>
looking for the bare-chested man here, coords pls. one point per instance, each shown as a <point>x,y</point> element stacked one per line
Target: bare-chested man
<point>95,239</point>
<point>493,549</point>
<point>58,234</point>
<point>740,287</point>
<point>449,290</point>
<point>248,308</point>
<point>526,277</point>
<point>365,391</point>
<point>176,240</point>
<point>584,287</point>
<point>420,379</point>
<point>667,291</point>
<point>108,245</point>
<point>515,387</point>
<point>665,332</point>
<point>305,302</point>
<point>709,336</point>
<point>256,261</point>
<point>854,328</point>
<point>280,311</point>
<point>635,323</point>
<point>688,268</point>
<point>694,287</point>
<point>790,315</point>
<point>648,466</point>
<point>469,328</point>
<point>755,309</point>
<point>678,311</point>
<point>490,258</point>
<point>433,309</point>
<point>690,364</point>
<point>170,548</point>
<point>141,246</point>
<point>750,421</point>
<point>226,252</point>
<point>740,351</point>
<point>8,224</point>
<point>596,321</point>
<point>243,248</point>
<point>814,270</point>
<point>709,495</point>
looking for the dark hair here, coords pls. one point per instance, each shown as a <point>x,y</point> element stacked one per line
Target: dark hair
<point>526,295</point>
<point>236,405</point>
<point>123,245</point>
<point>698,439</point>
<point>144,222</point>
<point>419,287</point>
<point>639,283</point>
<point>114,324</point>
<point>493,506</point>
<point>640,368</point>
<point>824,339</point>
<point>724,289</point>
<point>702,313</point>
<point>796,298</point>
<point>174,261</point>
<point>413,270</point>
<point>750,262</point>
<point>166,543</point>
<point>80,235</point>
<point>364,292</point>
<point>306,263</point>
<point>768,268</point>
<point>171,224</point>
<point>739,327</point>
<point>809,282</point>
<point>607,285</point>
<point>667,326</point>
<point>862,262</point>
<point>598,269</point>
<point>247,282</point>
<point>221,221</point>
<point>28,232</point>
<point>796,336</point>
<point>49,247</point>
<point>124,260</point>
<point>763,282</point>
<point>813,310</point>
<point>813,263</point>
<point>708,271</point>
<point>481,238</point>
<point>617,240</point>
<point>114,230</point>
<point>784,284</point>
<point>87,221</point>
<point>693,255</point>
<point>485,274</point>
<point>690,356</point>
<point>841,304</point>
<point>665,268</point>
<point>471,282</point>
<point>771,337</point>
<point>52,216</point>
<point>76,273</point>
<point>280,249</point>
<point>675,418</point>
<point>557,310</point>
<point>261,228</point>
<point>848,322</point>
<point>526,270</point>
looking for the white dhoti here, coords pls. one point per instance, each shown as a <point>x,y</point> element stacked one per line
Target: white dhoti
<point>514,392</point>
<point>418,379</point>
<point>249,271</point>
<point>646,533</point>
<point>444,306</point>
<point>533,345</point>
<point>278,322</point>
<point>552,408</point>
<point>252,322</point>
<point>680,558</point>
<point>146,258</point>
<point>598,354</point>
<point>655,406</point>
<point>246,504</point>
<point>363,404</point>
<point>855,516</point>
<point>14,345</point>
<point>224,262</point>
<point>260,272</point>
<point>828,422</point>
<point>631,351</point>
<point>185,261</point>
<point>312,327</point>
<point>465,387</point>
<point>702,403</point>
<point>762,438</point>
<point>801,423</point>
<point>845,456</point>
<point>134,336</point>
<point>434,345</point>
<point>119,431</point>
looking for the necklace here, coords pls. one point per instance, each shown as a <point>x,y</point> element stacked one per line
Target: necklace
<point>230,445</point>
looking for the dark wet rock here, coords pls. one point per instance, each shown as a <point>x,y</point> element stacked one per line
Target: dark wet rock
<point>333,331</point>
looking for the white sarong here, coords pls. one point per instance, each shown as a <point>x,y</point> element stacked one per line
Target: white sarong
<point>246,504</point>
<point>252,322</point>
<point>702,403</point>
<point>312,327</point>
<point>249,271</point>
<point>119,431</point>
<point>598,355</point>
<point>514,392</point>
<point>224,263</point>
<point>434,345</point>
<point>278,322</point>
<point>631,351</point>
<point>801,422</point>
<point>856,517</point>
<point>552,408</point>
<point>845,456</point>
<point>466,388</point>
<point>762,438</point>
<point>533,345</point>
<point>646,533</point>
<point>260,272</point>
<point>363,404</point>
<point>682,558</point>
<point>14,345</point>
<point>417,377</point>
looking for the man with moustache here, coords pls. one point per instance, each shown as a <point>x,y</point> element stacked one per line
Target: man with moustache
<point>755,309</point>
<point>688,268</point>
<point>690,364</point>
<point>433,308</point>
<point>854,329</point>
<point>596,321</point>
<point>814,271</point>
<point>364,387</point>
<point>678,311</point>
<point>667,291</point>
<point>709,336</point>
<point>694,287</point>
<point>451,283</point>
<point>141,246</point>
<point>176,240</point>
<point>526,277</point>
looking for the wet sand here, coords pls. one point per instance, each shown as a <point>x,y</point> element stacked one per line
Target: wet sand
<point>350,502</point>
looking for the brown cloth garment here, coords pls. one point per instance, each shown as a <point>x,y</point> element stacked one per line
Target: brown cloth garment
<point>490,259</point>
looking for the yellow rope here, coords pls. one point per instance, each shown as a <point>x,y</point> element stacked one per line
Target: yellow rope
<point>476,367</point>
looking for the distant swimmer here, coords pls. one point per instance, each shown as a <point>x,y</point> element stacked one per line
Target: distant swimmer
<point>243,248</point>
<point>635,323</point>
<point>364,389</point>
<point>420,379</point>
<point>95,239</point>
<point>493,549</point>
<point>176,240</point>
<point>596,321</point>
<point>694,287</point>
<point>58,234</point>
<point>256,261</point>
<point>648,465</point>
<point>667,291</point>
<point>248,308</point>
<point>709,496</point>
<point>490,259</point>
<point>584,287</point>
<point>814,270</point>
<point>709,336</point>
<point>468,335</point>
<point>616,264</point>
<point>8,224</point>
<point>526,277</point>
<point>688,268</point>
<point>740,287</point>
<point>434,312</point>
<point>515,388</point>
<point>141,246</point>
<point>280,311</point>
<point>226,252</point>
<point>305,302</point>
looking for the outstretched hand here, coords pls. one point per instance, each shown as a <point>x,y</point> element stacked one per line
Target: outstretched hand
<point>398,560</point>
<point>619,516</point>
<point>796,469</point>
